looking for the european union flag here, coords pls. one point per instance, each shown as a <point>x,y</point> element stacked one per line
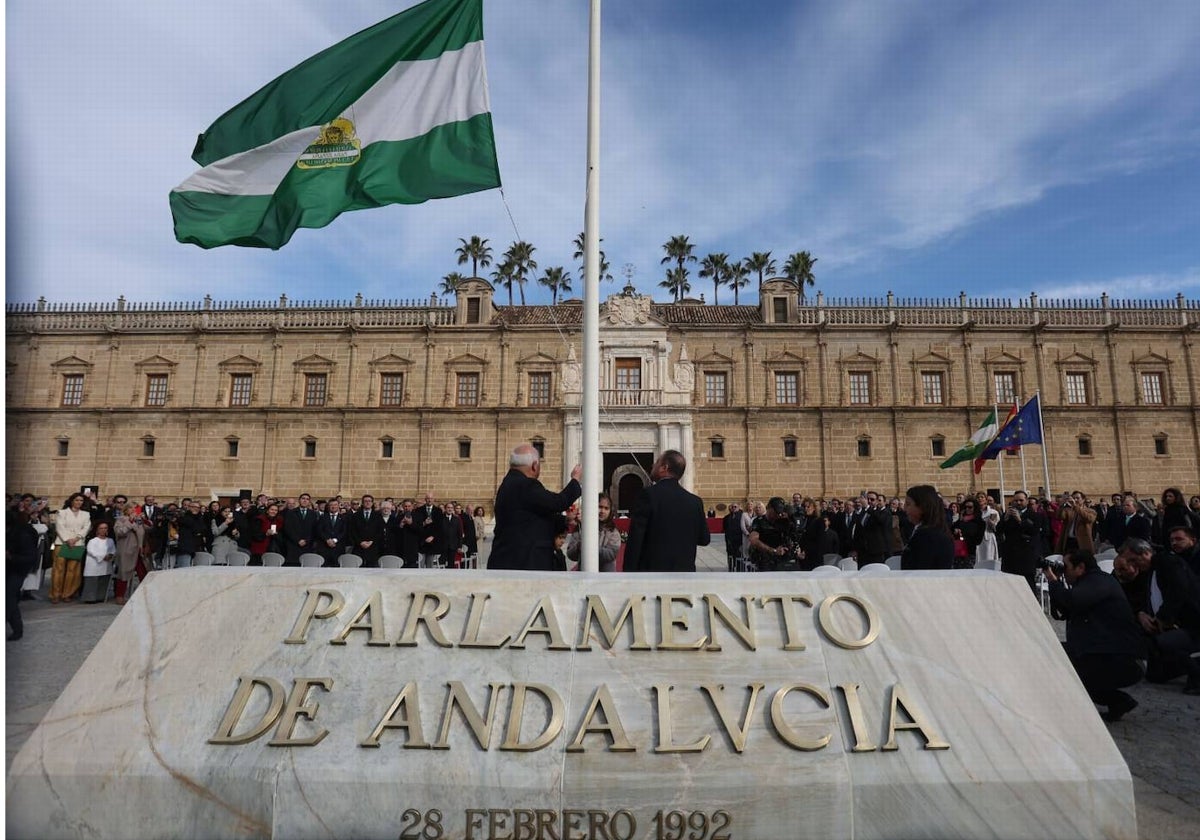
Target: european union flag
<point>1025,427</point>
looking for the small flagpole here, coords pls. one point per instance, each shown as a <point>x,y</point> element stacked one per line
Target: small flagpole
<point>589,556</point>
<point>1042,434</point>
<point>999,457</point>
<point>1024,481</point>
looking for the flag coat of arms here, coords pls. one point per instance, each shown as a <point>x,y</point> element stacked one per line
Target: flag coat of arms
<point>396,114</point>
<point>978,442</point>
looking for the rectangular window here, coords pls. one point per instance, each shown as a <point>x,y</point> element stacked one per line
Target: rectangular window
<point>147,448</point>
<point>717,448</point>
<point>1006,387</point>
<point>1077,389</point>
<point>72,389</point>
<point>240,385</point>
<point>1160,445</point>
<point>468,389</point>
<point>860,388</point>
<point>391,388</point>
<point>464,449</point>
<point>779,307</point>
<point>386,448</point>
<point>716,391</point>
<point>937,447</point>
<point>539,388</point>
<point>539,446</point>
<point>1152,388</point>
<point>629,374</point>
<point>1085,446</point>
<point>156,389</point>
<point>310,449</point>
<point>316,386</point>
<point>931,387</point>
<point>231,448</point>
<point>789,448</point>
<point>473,310</point>
<point>64,448</point>
<point>864,448</point>
<point>787,388</point>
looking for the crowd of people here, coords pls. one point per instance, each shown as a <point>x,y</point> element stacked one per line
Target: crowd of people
<point>1142,620</point>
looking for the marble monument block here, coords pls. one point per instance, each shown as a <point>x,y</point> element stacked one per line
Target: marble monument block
<point>311,703</point>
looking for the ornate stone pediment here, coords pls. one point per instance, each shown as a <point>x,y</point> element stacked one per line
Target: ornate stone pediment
<point>628,310</point>
<point>155,361</point>
<point>391,361</point>
<point>239,362</point>
<point>314,361</point>
<point>71,362</point>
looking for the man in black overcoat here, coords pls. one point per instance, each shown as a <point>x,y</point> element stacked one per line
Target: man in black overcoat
<point>667,523</point>
<point>527,514</point>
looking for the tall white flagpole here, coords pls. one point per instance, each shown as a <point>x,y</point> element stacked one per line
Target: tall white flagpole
<point>1042,433</point>
<point>589,557</point>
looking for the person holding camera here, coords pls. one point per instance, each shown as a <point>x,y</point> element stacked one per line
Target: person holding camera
<point>769,537</point>
<point>1103,641</point>
<point>1077,521</point>
<point>1020,537</point>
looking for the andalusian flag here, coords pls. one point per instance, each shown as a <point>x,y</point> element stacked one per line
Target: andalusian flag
<point>397,114</point>
<point>978,442</point>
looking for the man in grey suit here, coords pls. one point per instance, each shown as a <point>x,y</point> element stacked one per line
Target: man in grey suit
<point>667,523</point>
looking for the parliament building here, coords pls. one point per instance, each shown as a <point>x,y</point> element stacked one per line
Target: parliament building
<point>824,397</point>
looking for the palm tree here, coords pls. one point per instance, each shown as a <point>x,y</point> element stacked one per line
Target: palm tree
<point>714,266</point>
<point>477,251</point>
<point>556,280</point>
<point>799,269</point>
<point>520,254</point>
<point>761,262</point>
<point>579,255</point>
<point>737,276</point>
<point>677,283</point>
<point>680,251</point>
<point>503,276</point>
<point>451,282</point>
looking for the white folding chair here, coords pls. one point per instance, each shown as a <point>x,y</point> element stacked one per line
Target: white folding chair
<point>893,562</point>
<point>876,568</point>
<point>202,558</point>
<point>272,558</point>
<point>391,561</point>
<point>826,571</point>
<point>831,559</point>
<point>239,558</point>
<point>350,561</point>
<point>1043,588</point>
<point>848,564</point>
<point>312,561</point>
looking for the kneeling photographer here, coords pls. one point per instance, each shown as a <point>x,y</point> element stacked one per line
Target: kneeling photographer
<point>1103,641</point>
<point>771,545</point>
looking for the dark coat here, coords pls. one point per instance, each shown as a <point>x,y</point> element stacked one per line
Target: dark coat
<point>191,533</point>
<point>1119,530</point>
<point>1099,620</point>
<point>527,516</point>
<point>1020,544</point>
<point>666,524</point>
<point>327,529</point>
<point>928,548</point>
<point>872,535</point>
<point>430,523</point>
<point>297,528</point>
<point>366,528</point>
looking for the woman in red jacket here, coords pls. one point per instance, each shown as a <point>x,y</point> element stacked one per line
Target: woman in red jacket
<point>268,536</point>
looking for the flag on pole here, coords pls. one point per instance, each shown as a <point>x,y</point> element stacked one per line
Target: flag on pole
<point>1024,427</point>
<point>983,456</point>
<point>397,114</point>
<point>978,442</point>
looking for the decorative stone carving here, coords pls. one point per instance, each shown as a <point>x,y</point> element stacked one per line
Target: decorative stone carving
<point>628,310</point>
<point>572,373</point>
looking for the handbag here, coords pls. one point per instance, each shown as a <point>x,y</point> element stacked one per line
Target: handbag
<point>72,552</point>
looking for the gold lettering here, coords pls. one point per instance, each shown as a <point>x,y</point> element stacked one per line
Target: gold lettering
<point>310,611</point>
<point>470,636</point>
<point>409,699</point>
<point>524,824</point>
<point>900,698</point>
<point>737,731</point>
<point>784,728</point>
<point>791,624</point>
<point>668,621</point>
<point>858,721</point>
<point>497,822</point>
<point>611,727</point>
<point>549,627</point>
<point>297,706</point>
<point>516,716</point>
<point>237,706</point>
<point>480,728</point>
<point>824,615</point>
<point>743,629</point>
<point>474,820</point>
<point>598,825</point>
<point>597,612</point>
<point>547,824</point>
<point>571,820</point>
<point>431,618</point>
<point>666,734</point>
<point>372,610</point>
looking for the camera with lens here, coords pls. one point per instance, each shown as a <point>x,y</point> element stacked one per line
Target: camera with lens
<point>1054,565</point>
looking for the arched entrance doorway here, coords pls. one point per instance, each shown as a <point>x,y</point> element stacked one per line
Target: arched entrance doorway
<point>627,481</point>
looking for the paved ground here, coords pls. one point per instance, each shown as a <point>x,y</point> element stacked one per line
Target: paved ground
<point>1160,740</point>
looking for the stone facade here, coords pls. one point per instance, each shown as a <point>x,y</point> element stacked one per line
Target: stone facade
<point>396,398</point>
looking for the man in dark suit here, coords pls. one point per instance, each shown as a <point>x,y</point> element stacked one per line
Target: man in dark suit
<point>431,530</point>
<point>332,534</point>
<point>528,515</point>
<point>1129,525</point>
<point>666,521</point>
<point>365,532</point>
<point>1020,537</point>
<point>409,534</point>
<point>299,530</point>
<point>873,531</point>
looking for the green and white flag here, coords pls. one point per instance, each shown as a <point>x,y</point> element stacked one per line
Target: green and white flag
<point>397,114</point>
<point>978,442</point>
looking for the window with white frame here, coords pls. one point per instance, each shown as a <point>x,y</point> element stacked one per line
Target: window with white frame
<point>860,387</point>
<point>716,390</point>
<point>787,387</point>
<point>1077,388</point>
<point>72,389</point>
<point>932,387</point>
<point>1152,388</point>
<point>1006,386</point>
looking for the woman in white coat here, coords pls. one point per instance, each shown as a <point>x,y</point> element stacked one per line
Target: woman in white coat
<point>97,565</point>
<point>71,527</point>
<point>987,555</point>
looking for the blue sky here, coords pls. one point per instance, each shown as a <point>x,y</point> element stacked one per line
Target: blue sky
<point>924,148</point>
